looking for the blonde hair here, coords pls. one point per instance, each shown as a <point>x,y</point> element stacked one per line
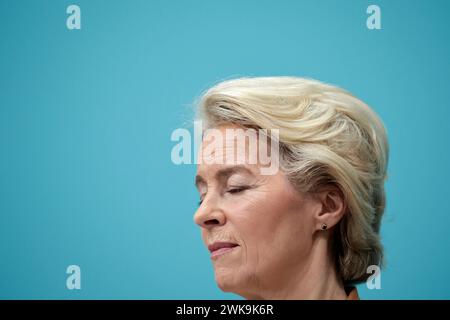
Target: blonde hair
<point>327,137</point>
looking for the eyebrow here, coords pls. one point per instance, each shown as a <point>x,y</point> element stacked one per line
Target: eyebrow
<point>224,173</point>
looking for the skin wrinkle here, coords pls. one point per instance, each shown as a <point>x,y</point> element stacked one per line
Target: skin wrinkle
<point>282,252</point>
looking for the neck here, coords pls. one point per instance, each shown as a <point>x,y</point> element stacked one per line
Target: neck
<point>314,278</point>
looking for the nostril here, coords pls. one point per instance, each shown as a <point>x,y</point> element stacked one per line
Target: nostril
<point>212,221</point>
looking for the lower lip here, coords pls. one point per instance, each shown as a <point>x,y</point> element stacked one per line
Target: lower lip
<point>221,252</point>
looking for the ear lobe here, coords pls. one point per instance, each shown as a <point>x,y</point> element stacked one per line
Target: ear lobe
<point>333,208</point>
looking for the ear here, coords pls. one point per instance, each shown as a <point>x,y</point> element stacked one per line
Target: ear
<point>333,208</point>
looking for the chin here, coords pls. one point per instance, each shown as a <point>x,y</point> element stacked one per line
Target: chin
<point>235,288</point>
<point>227,281</point>
<point>232,281</point>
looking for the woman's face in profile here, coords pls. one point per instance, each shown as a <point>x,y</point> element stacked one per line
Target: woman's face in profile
<point>258,228</point>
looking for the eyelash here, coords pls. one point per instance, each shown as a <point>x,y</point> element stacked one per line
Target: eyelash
<point>230,191</point>
<point>237,190</point>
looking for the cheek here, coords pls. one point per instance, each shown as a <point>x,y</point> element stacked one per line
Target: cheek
<point>272,225</point>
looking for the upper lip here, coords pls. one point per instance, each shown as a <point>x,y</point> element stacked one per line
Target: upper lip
<point>221,244</point>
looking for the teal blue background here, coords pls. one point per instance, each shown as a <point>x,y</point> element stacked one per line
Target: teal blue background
<point>86,116</point>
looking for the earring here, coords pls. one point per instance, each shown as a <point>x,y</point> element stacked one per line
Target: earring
<point>324,226</point>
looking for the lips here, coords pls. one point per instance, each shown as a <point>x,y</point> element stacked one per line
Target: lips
<point>219,248</point>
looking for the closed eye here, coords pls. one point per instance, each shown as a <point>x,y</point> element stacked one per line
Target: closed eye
<point>233,190</point>
<point>237,189</point>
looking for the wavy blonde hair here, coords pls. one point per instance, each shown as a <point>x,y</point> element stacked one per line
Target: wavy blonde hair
<point>327,137</point>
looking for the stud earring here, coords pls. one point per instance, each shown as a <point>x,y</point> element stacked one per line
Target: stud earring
<point>324,226</point>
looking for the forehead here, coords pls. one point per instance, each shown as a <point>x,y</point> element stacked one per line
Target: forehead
<point>226,146</point>
<point>230,145</point>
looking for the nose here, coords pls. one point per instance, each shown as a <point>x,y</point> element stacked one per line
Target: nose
<point>209,215</point>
